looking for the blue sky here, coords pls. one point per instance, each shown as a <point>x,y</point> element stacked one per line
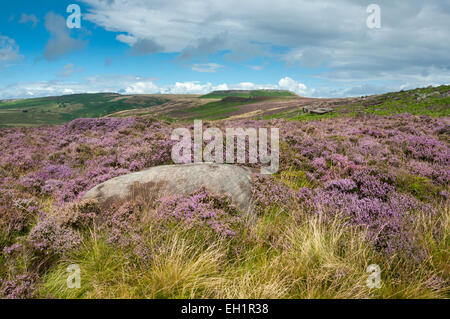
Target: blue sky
<point>315,48</point>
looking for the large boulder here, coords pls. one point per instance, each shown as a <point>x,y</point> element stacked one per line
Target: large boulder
<point>158,181</point>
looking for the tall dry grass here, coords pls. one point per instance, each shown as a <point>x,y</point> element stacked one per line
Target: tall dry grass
<point>276,255</point>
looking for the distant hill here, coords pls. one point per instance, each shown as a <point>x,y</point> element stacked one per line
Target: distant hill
<point>248,94</point>
<point>218,105</point>
<point>62,109</point>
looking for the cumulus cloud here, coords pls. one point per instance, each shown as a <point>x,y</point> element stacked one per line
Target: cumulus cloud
<point>314,34</point>
<point>60,43</point>
<point>94,84</point>
<point>9,51</point>
<point>29,18</point>
<point>128,84</point>
<point>141,86</point>
<point>289,84</point>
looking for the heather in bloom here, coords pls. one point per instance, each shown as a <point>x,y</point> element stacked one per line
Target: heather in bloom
<point>49,237</point>
<point>386,177</point>
<point>16,215</point>
<point>123,223</point>
<point>344,184</point>
<point>372,184</point>
<point>11,250</point>
<point>200,209</point>
<point>389,223</point>
<point>64,162</point>
<point>21,287</point>
<point>268,192</point>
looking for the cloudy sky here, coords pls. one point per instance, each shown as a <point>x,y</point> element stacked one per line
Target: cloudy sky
<point>315,48</point>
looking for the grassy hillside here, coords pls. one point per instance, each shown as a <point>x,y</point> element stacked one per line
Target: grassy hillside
<point>218,105</point>
<point>61,109</point>
<point>431,101</point>
<point>217,110</point>
<point>248,94</point>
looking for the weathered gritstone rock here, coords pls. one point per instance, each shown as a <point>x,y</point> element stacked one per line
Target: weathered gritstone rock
<point>179,179</point>
<point>319,110</point>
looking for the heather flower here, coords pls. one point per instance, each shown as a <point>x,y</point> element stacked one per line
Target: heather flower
<point>49,237</point>
<point>200,209</point>
<point>11,250</point>
<point>304,194</point>
<point>427,148</point>
<point>344,158</point>
<point>358,159</point>
<point>268,192</point>
<point>21,287</point>
<point>345,185</point>
<point>16,215</point>
<point>123,223</point>
<point>388,223</point>
<point>319,162</point>
<point>372,184</point>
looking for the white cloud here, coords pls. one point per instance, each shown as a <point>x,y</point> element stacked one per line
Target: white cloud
<point>257,67</point>
<point>127,84</point>
<point>142,86</point>
<point>289,84</point>
<point>207,67</point>
<point>327,33</point>
<point>188,87</point>
<point>9,51</point>
<point>222,87</point>
<point>128,39</point>
<point>285,83</point>
<point>25,18</point>
<point>248,86</point>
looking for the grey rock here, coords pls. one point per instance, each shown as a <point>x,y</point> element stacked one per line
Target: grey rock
<point>317,110</point>
<point>158,181</point>
<point>321,110</point>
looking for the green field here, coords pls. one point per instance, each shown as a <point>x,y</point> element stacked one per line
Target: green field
<point>220,109</point>
<point>214,110</point>
<point>433,102</point>
<point>247,94</point>
<point>62,109</point>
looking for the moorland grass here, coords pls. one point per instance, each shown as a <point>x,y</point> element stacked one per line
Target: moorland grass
<point>278,254</point>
